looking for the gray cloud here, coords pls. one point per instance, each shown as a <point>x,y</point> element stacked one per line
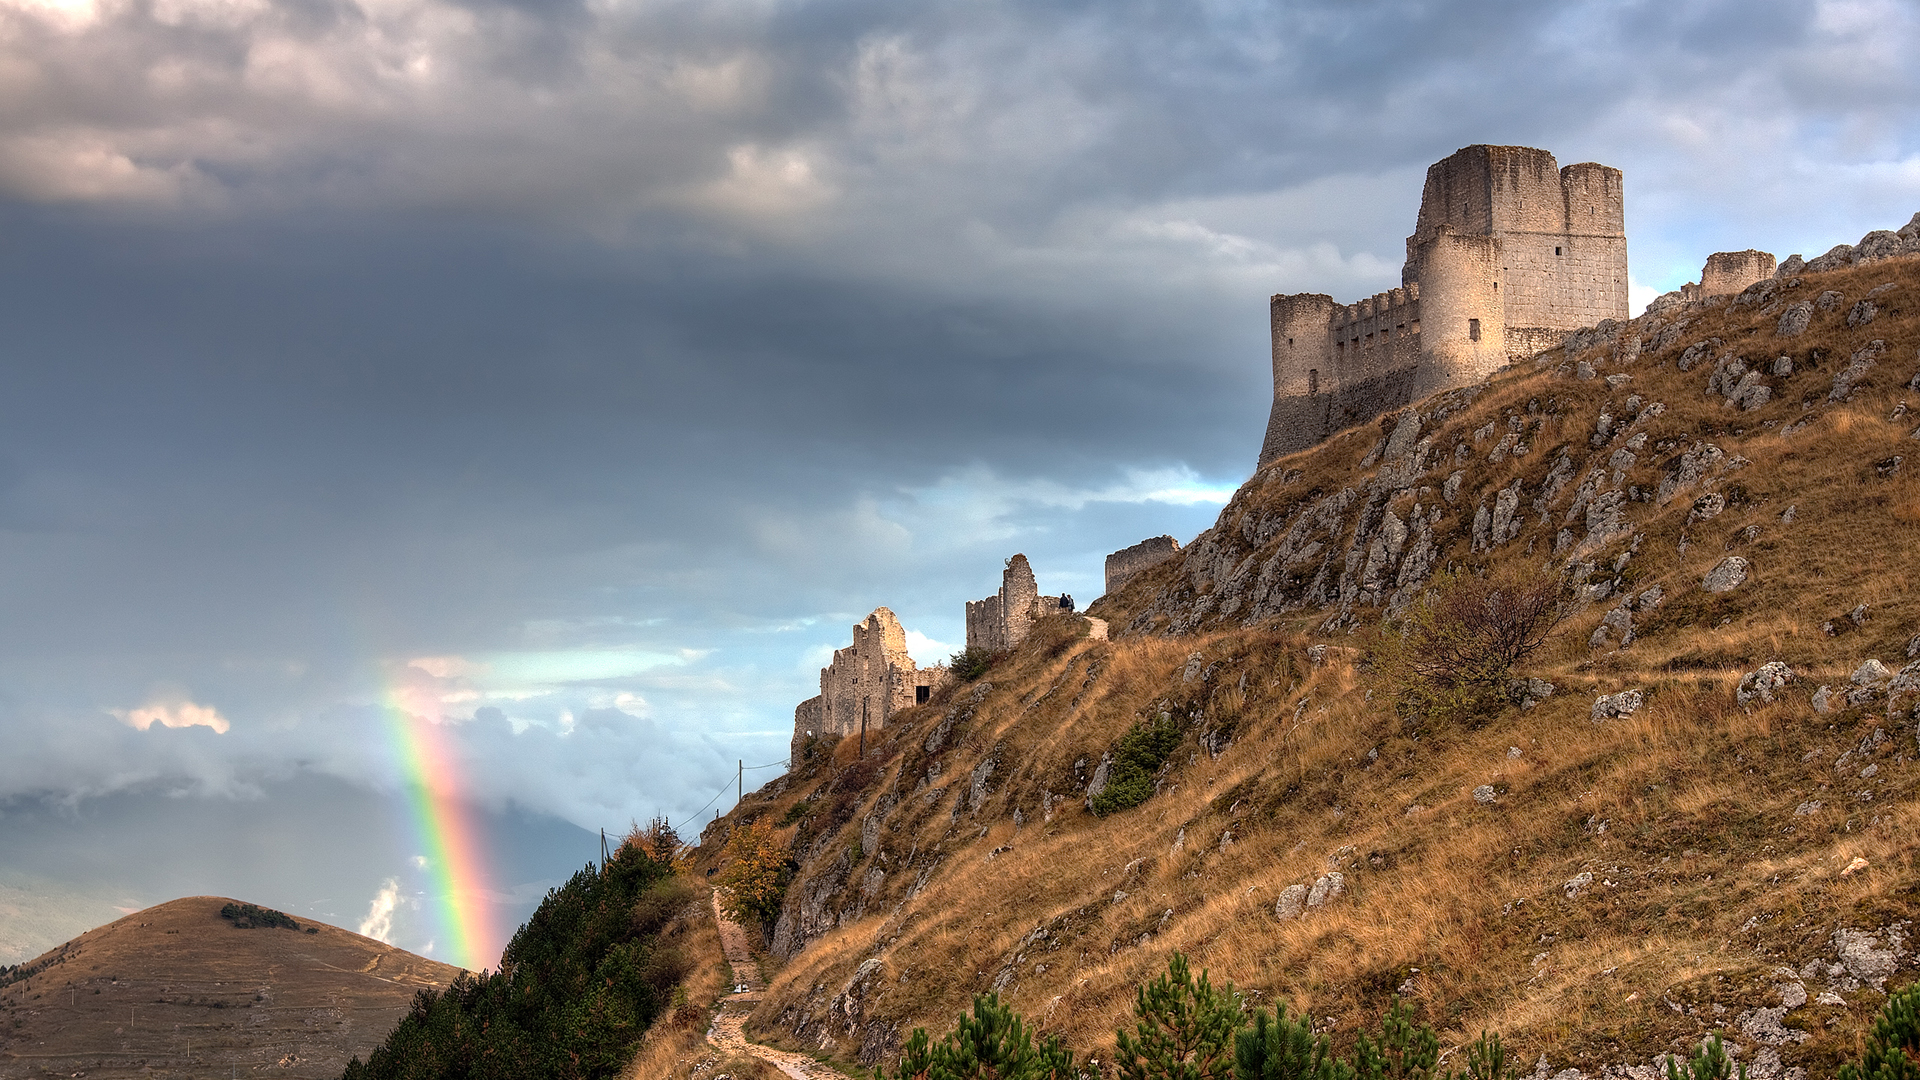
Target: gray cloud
<point>611,358</point>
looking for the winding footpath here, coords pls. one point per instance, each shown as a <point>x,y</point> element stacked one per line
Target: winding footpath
<point>728,1032</point>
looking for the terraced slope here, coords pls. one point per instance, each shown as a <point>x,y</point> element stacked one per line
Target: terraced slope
<point>1603,876</point>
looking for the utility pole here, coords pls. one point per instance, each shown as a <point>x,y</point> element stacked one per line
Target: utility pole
<point>740,783</point>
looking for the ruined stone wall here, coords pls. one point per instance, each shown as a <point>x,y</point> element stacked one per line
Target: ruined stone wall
<point>1730,272</point>
<point>985,628</point>
<point>1125,563</point>
<point>1003,620</point>
<point>809,718</point>
<point>861,682</point>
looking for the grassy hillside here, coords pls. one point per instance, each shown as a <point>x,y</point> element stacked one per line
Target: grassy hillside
<point>177,990</point>
<point>1600,891</point>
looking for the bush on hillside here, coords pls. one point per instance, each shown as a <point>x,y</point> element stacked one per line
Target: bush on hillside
<point>969,663</point>
<point>1282,1047</point>
<point>1709,1062</point>
<point>991,1043</point>
<point>755,880</point>
<point>577,987</point>
<point>1458,646</point>
<point>1893,1043</point>
<point>1137,757</point>
<point>1183,1028</point>
<point>1404,1051</point>
<point>249,916</point>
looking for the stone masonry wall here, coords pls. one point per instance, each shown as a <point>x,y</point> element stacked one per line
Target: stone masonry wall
<point>1730,272</point>
<point>1509,253</point>
<point>1003,620</point>
<point>1125,563</point>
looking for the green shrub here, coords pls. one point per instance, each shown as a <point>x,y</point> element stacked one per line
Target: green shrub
<point>1280,1047</point>
<point>991,1043</point>
<point>1456,649</point>
<point>969,663</point>
<point>1183,1029</point>
<point>1405,1051</point>
<point>1136,758</point>
<point>1709,1062</point>
<point>249,916</point>
<point>1893,1042</point>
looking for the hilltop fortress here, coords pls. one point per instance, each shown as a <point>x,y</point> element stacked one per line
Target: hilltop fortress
<point>1509,254</point>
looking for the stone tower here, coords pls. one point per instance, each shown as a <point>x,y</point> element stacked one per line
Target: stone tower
<point>1509,253</point>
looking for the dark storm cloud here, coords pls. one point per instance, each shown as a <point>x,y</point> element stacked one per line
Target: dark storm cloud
<point>574,373</point>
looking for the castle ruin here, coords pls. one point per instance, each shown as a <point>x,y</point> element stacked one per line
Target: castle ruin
<point>1728,273</point>
<point>1003,620</point>
<point>866,682</point>
<point>1125,563</point>
<point>1509,253</point>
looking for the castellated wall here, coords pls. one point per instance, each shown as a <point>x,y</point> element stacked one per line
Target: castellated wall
<point>1125,563</point>
<point>1509,253</point>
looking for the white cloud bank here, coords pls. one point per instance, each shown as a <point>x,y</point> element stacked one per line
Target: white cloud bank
<point>182,714</point>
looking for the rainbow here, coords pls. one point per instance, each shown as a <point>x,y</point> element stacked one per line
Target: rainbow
<point>443,830</point>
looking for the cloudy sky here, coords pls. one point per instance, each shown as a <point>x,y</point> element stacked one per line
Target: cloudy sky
<point>568,375</point>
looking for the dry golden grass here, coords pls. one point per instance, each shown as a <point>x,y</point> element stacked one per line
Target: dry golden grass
<point>1705,880</point>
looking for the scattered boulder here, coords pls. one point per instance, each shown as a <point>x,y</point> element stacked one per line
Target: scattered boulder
<point>1618,706</point>
<point>1577,884</point>
<point>1870,673</point>
<point>1727,575</point>
<point>1706,507</point>
<point>1764,683</point>
<point>1858,365</point>
<point>1292,903</point>
<point>1862,313</point>
<point>1530,692</point>
<point>1329,887</point>
<point>1823,700</point>
<point>1793,322</point>
<point>1485,795</point>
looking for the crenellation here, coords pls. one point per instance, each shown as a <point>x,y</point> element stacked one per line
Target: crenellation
<point>1509,253</point>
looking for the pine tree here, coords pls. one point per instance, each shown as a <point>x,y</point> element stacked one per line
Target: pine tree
<point>1184,1030</point>
<point>1893,1043</point>
<point>1279,1047</point>
<point>1710,1062</point>
<point>1405,1051</point>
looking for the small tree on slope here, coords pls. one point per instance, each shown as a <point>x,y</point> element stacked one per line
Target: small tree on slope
<point>1183,1030</point>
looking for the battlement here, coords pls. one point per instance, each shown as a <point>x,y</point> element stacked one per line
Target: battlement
<point>1509,252</point>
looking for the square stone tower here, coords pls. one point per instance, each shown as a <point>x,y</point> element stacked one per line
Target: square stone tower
<point>1508,254</point>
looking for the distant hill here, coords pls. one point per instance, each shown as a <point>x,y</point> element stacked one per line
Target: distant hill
<point>177,990</point>
<point>1645,838</point>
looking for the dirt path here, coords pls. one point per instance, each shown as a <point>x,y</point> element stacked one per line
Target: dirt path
<point>1098,630</point>
<point>729,1024</point>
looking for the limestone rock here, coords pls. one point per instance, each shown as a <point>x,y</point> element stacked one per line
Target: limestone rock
<point>1694,466</point>
<point>1619,705</point>
<point>1862,313</point>
<point>1858,365</point>
<point>1728,574</point>
<point>1870,673</point>
<point>1793,322</point>
<point>1530,692</point>
<point>1763,684</point>
<point>1577,884</point>
<point>1328,888</point>
<point>1292,903</point>
<point>1485,795</point>
<point>1706,507</point>
<point>1823,700</point>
